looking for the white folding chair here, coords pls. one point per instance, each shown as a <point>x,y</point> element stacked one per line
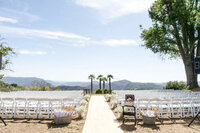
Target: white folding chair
<point>44,108</point>
<point>176,108</point>
<point>20,108</point>
<point>67,102</point>
<point>155,103</point>
<point>8,107</point>
<point>54,104</point>
<point>187,107</point>
<point>141,105</point>
<point>32,108</point>
<point>195,106</point>
<point>164,108</point>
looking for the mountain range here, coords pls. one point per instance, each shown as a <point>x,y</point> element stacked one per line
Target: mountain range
<point>121,84</point>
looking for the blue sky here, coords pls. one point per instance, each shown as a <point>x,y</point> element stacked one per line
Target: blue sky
<point>66,40</point>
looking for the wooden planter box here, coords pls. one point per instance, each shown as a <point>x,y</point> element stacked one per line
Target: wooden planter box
<point>149,120</point>
<point>62,120</point>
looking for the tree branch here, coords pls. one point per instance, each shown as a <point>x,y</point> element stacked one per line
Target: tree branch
<point>179,41</point>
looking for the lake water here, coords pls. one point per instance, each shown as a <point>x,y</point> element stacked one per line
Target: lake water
<point>42,94</point>
<point>139,94</point>
<point>168,94</point>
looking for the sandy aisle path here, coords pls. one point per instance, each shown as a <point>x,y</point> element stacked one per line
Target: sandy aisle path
<point>100,119</point>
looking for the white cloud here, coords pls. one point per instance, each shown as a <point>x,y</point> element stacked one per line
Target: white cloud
<point>9,20</point>
<point>27,52</point>
<point>21,15</point>
<point>110,9</point>
<point>40,33</point>
<point>115,42</point>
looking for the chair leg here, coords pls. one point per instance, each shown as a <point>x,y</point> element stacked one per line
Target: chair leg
<point>3,121</point>
<point>135,120</point>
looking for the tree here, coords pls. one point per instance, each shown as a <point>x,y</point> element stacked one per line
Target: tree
<point>91,77</point>
<point>5,53</point>
<point>104,79</point>
<point>99,78</point>
<point>175,32</point>
<point>109,78</point>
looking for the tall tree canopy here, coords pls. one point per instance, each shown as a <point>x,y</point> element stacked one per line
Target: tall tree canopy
<point>175,32</point>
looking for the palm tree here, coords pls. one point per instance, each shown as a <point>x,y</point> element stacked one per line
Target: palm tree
<point>91,77</point>
<point>109,76</point>
<point>104,79</point>
<point>99,78</point>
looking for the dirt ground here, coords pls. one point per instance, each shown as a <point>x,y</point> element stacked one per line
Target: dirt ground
<point>164,126</point>
<point>168,126</point>
<point>40,126</point>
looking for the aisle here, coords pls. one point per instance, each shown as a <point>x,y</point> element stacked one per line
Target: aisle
<point>100,118</point>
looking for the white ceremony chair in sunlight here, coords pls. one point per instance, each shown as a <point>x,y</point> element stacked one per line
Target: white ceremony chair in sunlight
<point>142,105</point>
<point>32,108</point>
<point>8,107</point>
<point>155,103</point>
<point>176,108</point>
<point>164,108</point>
<point>67,102</point>
<point>44,108</point>
<point>195,106</point>
<point>20,108</point>
<point>187,107</point>
<point>54,104</point>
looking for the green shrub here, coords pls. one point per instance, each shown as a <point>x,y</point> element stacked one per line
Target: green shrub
<point>99,91</point>
<point>14,85</point>
<point>105,91</point>
<point>176,85</point>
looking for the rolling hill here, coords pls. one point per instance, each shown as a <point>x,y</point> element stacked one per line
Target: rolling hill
<point>118,85</point>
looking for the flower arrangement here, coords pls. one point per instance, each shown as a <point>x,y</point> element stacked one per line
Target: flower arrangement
<point>149,116</point>
<point>87,98</point>
<point>108,97</point>
<point>113,104</point>
<point>80,110</point>
<point>83,102</point>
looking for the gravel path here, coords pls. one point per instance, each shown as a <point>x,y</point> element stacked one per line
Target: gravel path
<point>100,119</point>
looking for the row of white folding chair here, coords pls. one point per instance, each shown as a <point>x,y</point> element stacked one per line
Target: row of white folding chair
<point>32,107</point>
<point>170,108</point>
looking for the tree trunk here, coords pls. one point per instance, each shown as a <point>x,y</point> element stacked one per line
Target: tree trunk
<point>100,84</point>
<point>91,86</point>
<point>103,84</point>
<point>190,74</point>
<point>109,85</point>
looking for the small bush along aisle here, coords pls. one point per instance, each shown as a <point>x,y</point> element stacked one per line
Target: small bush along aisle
<point>102,91</point>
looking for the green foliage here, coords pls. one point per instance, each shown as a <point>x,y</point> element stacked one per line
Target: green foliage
<point>110,76</point>
<point>14,85</point>
<point>6,53</point>
<point>105,91</point>
<point>91,76</point>
<point>175,32</point>
<point>102,91</point>
<point>176,85</point>
<point>5,87</point>
<point>98,91</point>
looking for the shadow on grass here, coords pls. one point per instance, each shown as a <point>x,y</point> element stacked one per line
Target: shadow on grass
<point>27,121</point>
<point>53,125</point>
<point>153,127</point>
<point>128,127</point>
